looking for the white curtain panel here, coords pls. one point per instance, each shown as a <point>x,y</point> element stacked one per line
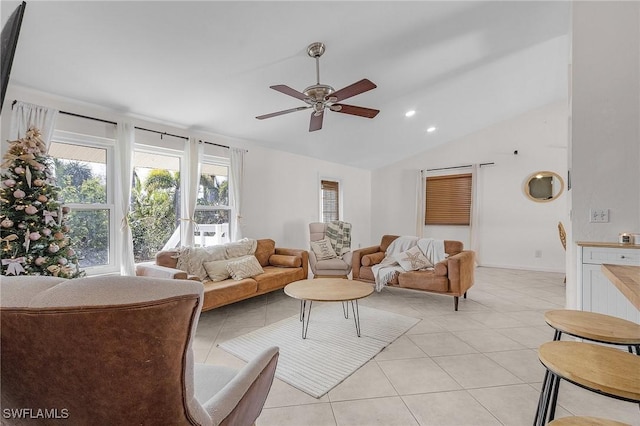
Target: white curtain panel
<point>420,203</point>
<point>187,224</point>
<point>474,237</point>
<point>236,179</point>
<point>25,115</point>
<point>124,175</point>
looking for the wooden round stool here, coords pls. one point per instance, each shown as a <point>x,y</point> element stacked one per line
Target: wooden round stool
<point>595,327</point>
<point>585,421</point>
<point>607,371</point>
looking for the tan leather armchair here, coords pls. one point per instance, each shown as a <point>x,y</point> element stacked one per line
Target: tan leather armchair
<point>117,350</point>
<point>453,276</point>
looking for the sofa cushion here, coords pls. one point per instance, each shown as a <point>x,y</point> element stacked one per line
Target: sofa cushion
<point>240,248</point>
<point>245,267</point>
<point>366,273</point>
<point>285,261</point>
<point>386,240</point>
<point>264,250</point>
<point>275,277</point>
<point>336,264</point>
<point>423,280</point>
<point>453,247</point>
<point>372,259</point>
<point>323,249</point>
<point>223,292</point>
<point>412,259</point>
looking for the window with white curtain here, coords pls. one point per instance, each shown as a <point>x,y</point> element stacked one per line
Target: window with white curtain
<point>156,190</point>
<point>213,213</point>
<point>83,167</point>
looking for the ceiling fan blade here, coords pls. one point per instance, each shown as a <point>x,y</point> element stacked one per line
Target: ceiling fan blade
<point>286,111</point>
<point>361,86</point>
<point>289,91</point>
<point>316,121</point>
<point>355,110</point>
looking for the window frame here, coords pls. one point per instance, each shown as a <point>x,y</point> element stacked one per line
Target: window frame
<point>217,161</point>
<point>108,144</point>
<point>183,164</point>
<point>321,197</point>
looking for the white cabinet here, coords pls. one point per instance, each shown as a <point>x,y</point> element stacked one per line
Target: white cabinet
<point>598,294</point>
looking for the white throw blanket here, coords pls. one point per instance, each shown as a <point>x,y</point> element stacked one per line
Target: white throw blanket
<point>386,270</point>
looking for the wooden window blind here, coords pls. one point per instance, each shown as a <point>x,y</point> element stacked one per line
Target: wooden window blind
<point>448,200</point>
<point>330,200</point>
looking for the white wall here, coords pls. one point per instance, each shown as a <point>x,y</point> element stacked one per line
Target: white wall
<point>281,194</point>
<point>511,227</point>
<point>605,152</point>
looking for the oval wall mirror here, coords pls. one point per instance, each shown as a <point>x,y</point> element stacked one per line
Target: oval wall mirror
<point>543,187</point>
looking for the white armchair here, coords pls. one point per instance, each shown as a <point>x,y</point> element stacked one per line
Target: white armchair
<point>328,268</point>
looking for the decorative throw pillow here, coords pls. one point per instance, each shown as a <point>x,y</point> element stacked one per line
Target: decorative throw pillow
<point>412,259</point>
<point>241,247</point>
<point>244,268</point>
<point>217,269</point>
<point>191,259</point>
<point>339,233</point>
<point>323,249</point>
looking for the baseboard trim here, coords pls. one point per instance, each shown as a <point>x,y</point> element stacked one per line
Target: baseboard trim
<point>523,268</point>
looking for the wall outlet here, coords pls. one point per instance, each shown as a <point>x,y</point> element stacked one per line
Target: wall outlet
<point>599,215</point>
<point>538,253</point>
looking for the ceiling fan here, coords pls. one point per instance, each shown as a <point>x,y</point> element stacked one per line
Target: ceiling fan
<point>322,96</point>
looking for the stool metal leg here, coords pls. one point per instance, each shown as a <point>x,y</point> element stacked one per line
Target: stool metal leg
<point>345,309</point>
<point>557,335</point>
<point>541,413</point>
<point>554,396</point>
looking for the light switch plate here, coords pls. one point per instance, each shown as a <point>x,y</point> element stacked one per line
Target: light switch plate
<point>599,215</point>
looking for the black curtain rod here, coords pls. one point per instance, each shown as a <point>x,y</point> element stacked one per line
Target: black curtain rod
<point>214,144</point>
<point>115,124</point>
<point>458,167</point>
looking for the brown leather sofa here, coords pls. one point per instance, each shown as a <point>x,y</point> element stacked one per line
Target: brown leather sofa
<point>281,267</point>
<point>453,276</point>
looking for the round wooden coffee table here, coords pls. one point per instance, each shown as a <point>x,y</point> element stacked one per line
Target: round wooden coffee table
<point>328,290</point>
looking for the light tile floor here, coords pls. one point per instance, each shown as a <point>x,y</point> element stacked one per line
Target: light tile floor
<point>477,366</point>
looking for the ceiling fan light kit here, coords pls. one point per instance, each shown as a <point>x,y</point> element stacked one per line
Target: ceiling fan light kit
<point>322,96</point>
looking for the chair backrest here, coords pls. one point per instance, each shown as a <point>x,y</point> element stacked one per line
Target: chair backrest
<point>317,231</point>
<point>101,350</point>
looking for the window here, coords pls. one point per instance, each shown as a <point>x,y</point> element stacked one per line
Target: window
<point>448,200</point>
<point>212,208</point>
<point>330,200</point>
<point>83,171</point>
<point>155,201</point>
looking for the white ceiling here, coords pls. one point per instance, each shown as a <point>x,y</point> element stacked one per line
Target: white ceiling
<point>208,65</point>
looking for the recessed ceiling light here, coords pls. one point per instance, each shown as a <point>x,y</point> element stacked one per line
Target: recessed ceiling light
<point>431,129</point>
<point>410,113</point>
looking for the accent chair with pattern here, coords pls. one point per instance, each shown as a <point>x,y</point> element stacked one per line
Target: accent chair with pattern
<point>330,252</point>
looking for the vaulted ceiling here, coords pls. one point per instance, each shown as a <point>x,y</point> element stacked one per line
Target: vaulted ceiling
<point>208,65</point>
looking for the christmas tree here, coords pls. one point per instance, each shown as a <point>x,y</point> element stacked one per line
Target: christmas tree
<point>35,234</point>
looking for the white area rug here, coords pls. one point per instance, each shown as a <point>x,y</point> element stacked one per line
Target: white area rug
<point>331,352</point>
